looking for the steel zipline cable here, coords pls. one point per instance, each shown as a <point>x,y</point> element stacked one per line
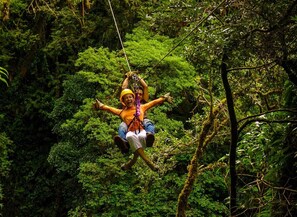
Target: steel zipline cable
<point>186,36</point>
<point>116,25</point>
<point>135,78</point>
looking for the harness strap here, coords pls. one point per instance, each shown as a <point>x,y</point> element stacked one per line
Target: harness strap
<point>136,118</point>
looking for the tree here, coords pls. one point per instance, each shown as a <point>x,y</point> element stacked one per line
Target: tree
<point>63,54</point>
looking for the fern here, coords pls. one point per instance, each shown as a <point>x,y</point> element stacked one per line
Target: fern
<point>3,75</point>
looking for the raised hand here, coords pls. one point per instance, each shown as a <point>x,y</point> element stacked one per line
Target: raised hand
<point>168,98</point>
<point>97,105</point>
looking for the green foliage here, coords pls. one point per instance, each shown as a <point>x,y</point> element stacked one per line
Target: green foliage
<point>61,58</point>
<point>173,74</point>
<point>261,156</point>
<point>146,193</point>
<point>164,123</point>
<point>76,89</point>
<point>210,189</point>
<point>5,147</point>
<point>3,73</point>
<point>290,95</point>
<point>5,163</point>
<point>82,130</point>
<point>64,156</point>
<point>145,49</point>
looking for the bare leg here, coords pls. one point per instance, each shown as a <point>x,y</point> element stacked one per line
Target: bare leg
<point>151,165</point>
<point>128,165</point>
<point>137,143</point>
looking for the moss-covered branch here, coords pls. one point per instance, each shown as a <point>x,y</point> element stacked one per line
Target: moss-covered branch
<point>208,131</point>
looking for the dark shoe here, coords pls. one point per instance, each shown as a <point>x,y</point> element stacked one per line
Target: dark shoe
<point>150,139</point>
<point>122,145</point>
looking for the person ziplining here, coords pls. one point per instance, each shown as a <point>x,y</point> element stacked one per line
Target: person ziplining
<point>138,140</point>
<point>141,93</point>
<point>133,115</point>
<point>137,131</point>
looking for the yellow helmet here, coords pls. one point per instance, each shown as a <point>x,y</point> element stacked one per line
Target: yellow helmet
<point>125,92</point>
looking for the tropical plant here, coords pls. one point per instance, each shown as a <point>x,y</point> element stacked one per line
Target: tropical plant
<point>57,153</point>
<point>3,75</point>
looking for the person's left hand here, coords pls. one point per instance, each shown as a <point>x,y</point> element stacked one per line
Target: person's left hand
<point>129,74</point>
<point>168,98</point>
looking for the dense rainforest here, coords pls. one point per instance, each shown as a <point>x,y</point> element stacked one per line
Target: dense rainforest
<point>226,146</point>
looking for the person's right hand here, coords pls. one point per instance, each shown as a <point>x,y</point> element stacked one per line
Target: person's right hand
<point>97,105</point>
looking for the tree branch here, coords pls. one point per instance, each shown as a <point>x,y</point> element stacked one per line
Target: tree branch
<point>263,120</point>
<point>267,112</point>
<point>204,138</point>
<point>251,67</point>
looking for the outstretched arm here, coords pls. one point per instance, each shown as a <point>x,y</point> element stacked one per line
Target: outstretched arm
<point>158,101</point>
<point>99,105</point>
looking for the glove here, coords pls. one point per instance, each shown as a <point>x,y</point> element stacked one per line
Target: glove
<point>168,98</point>
<point>97,105</point>
<point>129,74</point>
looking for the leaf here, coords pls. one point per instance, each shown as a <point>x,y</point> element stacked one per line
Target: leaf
<point>4,72</point>
<point>2,79</point>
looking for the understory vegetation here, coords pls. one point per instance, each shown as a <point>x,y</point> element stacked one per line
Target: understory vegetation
<point>226,146</point>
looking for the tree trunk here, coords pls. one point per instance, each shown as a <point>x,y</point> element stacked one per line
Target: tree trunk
<point>193,167</point>
<point>290,68</point>
<point>234,135</point>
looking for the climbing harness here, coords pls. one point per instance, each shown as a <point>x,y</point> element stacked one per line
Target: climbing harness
<point>135,80</point>
<point>133,122</point>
